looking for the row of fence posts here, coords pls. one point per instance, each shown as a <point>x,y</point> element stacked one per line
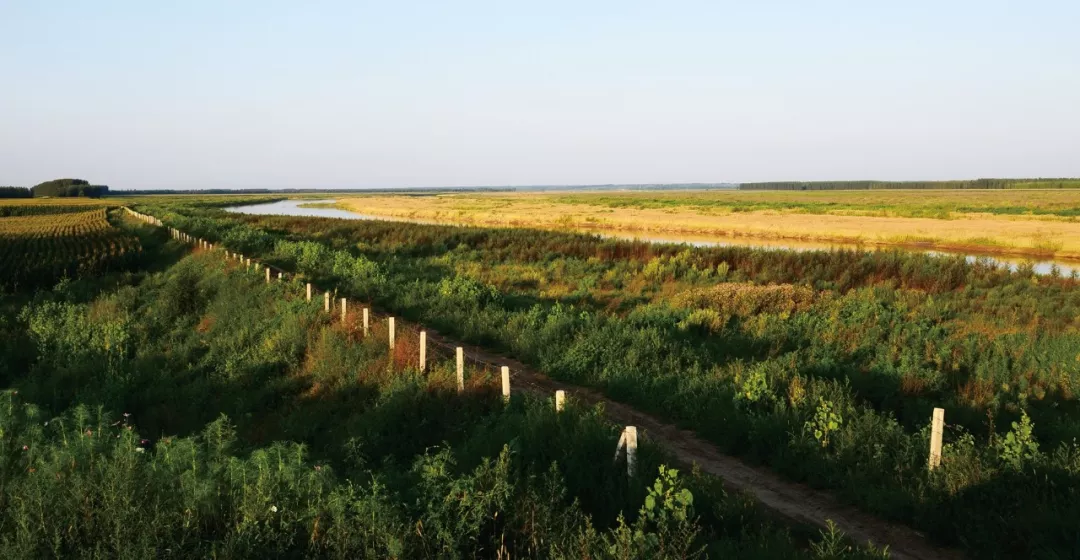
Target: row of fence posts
<point>628,439</point>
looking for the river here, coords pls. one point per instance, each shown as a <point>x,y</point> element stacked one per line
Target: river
<point>292,207</point>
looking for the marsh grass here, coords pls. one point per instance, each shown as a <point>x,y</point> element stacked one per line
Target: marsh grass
<point>1015,221</point>
<point>197,411</point>
<point>885,338</point>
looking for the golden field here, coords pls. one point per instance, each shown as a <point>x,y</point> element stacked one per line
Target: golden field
<point>1014,222</point>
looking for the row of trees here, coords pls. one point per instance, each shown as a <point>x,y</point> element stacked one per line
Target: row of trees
<point>15,192</point>
<point>69,187</point>
<point>56,187</point>
<point>869,185</point>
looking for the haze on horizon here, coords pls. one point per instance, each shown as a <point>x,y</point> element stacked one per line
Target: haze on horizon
<point>343,94</point>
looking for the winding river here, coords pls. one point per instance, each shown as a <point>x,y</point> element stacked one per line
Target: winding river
<point>293,207</point>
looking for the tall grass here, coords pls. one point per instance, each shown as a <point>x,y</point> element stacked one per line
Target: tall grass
<point>697,336</point>
<point>201,412</point>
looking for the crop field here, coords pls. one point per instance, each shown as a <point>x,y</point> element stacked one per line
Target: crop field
<point>188,408</point>
<point>40,244</point>
<point>1041,223</point>
<point>823,366</point>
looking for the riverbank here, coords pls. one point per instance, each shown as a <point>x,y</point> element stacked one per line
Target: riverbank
<point>1047,230</point>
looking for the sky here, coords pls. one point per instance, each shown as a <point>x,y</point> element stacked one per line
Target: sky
<point>354,94</point>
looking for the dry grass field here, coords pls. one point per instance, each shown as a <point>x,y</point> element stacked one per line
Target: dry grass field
<point>1024,223</point>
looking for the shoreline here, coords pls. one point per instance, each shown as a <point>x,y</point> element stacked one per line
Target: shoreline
<point>706,235</point>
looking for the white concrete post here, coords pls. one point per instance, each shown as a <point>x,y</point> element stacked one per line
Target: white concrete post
<point>365,321</point>
<point>423,351</point>
<point>460,369</point>
<point>280,276</point>
<point>631,450</point>
<point>326,301</point>
<point>937,427</point>
<point>506,383</point>
<point>309,291</point>
<point>342,311</point>
<point>267,275</point>
<point>391,333</point>
<point>560,400</point>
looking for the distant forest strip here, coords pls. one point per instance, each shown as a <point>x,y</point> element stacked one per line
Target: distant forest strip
<point>15,192</point>
<point>57,188</point>
<point>1062,183</point>
<point>431,190</point>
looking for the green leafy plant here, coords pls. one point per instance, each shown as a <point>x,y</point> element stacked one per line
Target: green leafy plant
<point>666,526</point>
<point>754,386</point>
<point>826,420</point>
<point>1019,446</point>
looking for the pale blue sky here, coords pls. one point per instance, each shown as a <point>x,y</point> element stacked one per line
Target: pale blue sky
<point>201,94</point>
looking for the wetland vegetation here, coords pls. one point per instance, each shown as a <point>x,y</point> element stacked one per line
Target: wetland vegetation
<point>823,365</point>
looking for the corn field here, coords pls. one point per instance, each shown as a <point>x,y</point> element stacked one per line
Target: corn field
<point>39,249</point>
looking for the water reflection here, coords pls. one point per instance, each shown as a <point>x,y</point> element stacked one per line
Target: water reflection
<point>294,207</point>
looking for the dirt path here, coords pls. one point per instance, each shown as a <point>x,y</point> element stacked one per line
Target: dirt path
<point>791,500</point>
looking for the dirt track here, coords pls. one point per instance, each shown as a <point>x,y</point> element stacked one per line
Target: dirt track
<point>791,500</point>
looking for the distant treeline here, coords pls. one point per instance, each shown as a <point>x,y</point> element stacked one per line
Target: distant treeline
<point>69,187</point>
<point>424,190</point>
<point>1063,183</point>
<point>204,191</point>
<point>15,192</point>
<point>58,188</point>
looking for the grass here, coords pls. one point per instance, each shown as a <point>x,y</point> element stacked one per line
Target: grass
<point>188,409</point>
<point>1001,221</point>
<point>753,348</point>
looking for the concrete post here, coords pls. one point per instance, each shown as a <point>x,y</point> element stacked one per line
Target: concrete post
<point>423,351</point>
<point>631,450</point>
<point>267,275</point>
<point>309,291</point>
<point>460,369</point>
<point>343,314</point>
<point>506,383</point>
<point>326,301</point>
<point>560,400</point>
<point>391,327</point>
<point>937,427</point>
<point>365,322</point>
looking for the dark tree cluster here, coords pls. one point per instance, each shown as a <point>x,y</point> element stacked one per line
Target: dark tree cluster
<point>15,192</point>
<point>70,187</point>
